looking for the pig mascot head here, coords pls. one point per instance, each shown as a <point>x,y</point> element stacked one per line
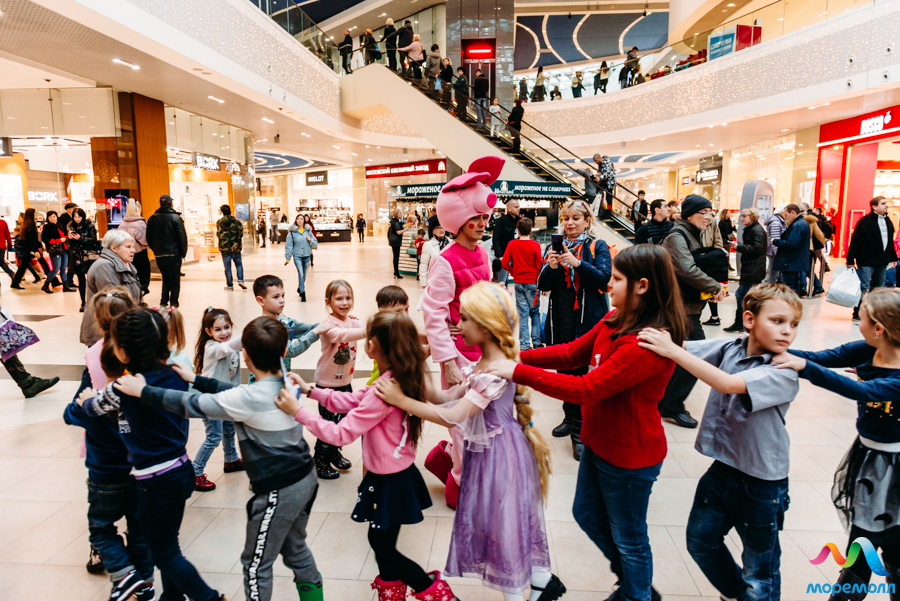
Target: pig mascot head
<point>469,195</point>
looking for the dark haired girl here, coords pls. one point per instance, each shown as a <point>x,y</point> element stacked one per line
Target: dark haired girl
<point>156,445</point>
<point>624,440</point>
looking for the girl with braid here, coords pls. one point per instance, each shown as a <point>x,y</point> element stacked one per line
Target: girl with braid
<point>499,534</point>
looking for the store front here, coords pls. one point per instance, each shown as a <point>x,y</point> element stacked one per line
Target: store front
<point>859,159</point>
<point>382,183</point>
<point>327,197</point>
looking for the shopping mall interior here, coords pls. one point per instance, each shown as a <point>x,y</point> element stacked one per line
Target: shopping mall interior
<point>273,109</point>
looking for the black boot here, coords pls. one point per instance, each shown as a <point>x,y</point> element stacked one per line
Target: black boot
<point>849,577</point>
<point>302,297</point>
<point>338,460</point>
<point>46,287</point>
<point>577,446</point>
<point>323,465</point>
<point>563,429</point>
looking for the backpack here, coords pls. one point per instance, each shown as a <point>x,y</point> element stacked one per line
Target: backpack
<point>711,261</point>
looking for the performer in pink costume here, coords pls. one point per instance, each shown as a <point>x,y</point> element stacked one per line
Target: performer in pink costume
<point>463,208</point>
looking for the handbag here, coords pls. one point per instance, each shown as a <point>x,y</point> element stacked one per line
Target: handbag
<point>90,250</point>
<point>845,289</point>
<point>14,337</point>
<point>56,249</point>
<point>711,261</point>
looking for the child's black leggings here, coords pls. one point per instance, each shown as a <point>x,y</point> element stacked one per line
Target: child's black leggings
<point>889,543</point>
<point>392,564</point>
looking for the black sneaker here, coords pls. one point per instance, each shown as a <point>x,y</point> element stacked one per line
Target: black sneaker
<point>713,321</point>
<point>124,588</point>
<point>39,385</point>
<point>145,593</point>
<point>95,562</point>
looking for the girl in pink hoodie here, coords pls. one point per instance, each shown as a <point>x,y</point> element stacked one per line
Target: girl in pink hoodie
<point>335,367</point>
<point>392,492</point>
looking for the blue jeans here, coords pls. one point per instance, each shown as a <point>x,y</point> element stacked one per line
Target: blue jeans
<point>611,507</point>
<point>216,431</point>
<point>869,279</point>
<point>727,498</point>
<point>890,278</point>
<point>161,509</point>
<point>529,311</point>
<point>481,109</point>
<point>302,265</point>
<point>791,279</point>
<point>60,264</point>
<point>227,258</point>
<point>107,504</point>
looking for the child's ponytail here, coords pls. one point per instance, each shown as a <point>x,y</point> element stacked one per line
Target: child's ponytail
<point>210,315</point>
<point>177,339</point>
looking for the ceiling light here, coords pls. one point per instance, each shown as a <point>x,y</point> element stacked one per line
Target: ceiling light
<point>711,126</point>
<point>696,33</point>
<point>10,117</point>
<point>263,140</point>
<point>171,123</point>
<point>785,129</point>
<point>119,61</point>
<point>382,14</point>
<point>642,139</point>
<point>354,154</point>
<point>730,5</point>
<point>267,120</point>
<point>219,100</point>
<point>335,146</point>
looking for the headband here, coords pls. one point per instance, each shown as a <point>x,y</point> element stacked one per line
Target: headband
<point>512,323</point>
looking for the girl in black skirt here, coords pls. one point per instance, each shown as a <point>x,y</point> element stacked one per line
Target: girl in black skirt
<point>392,492</point>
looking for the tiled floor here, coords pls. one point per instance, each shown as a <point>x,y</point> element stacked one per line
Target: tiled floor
<point>43,528</point>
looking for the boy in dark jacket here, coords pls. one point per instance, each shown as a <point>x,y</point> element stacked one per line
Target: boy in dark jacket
<point>752,249</point>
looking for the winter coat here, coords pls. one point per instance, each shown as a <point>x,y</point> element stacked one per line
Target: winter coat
<point>653,232</point>
<point>230,232</point>
<point>594,272</point>
<point>433,64</point>
<point>108,270</point>
<point>816,237</point>
<point>865,246</point>
<point>415,50</point>
<point>296,244</point>
<point>504,231</point>
<point>405,36</point>
<point>686,270</point>
<point>752,251</point>
<point>429,251</point>
<point>137,227</point>
<point>482,86</point>
<point>389,37</point>
<point>165,233</point>
<point>793,247</point>
<point>774,228</point>
<point>86,231</point>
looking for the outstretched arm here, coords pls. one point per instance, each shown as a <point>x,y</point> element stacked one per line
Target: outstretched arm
<point>660,342</point>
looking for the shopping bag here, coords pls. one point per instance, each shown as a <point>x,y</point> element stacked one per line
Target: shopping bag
<point>845,289</point>
<point>14,337</point>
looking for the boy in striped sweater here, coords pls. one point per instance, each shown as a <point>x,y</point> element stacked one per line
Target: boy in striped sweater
<point>274,452</point>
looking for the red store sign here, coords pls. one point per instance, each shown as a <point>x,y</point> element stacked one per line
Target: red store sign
<point>401,169</point>
<point>873,124</point>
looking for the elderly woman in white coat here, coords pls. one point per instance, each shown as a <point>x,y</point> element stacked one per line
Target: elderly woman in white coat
<point>439,241</point>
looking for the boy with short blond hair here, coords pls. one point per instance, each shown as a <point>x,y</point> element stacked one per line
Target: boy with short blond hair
<point>743,430</point>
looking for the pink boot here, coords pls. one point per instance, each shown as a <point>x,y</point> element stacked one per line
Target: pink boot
<point>438,591</point>
<point>394,590</point>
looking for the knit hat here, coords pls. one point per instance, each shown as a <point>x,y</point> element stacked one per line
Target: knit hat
<point>470,194</point>
<point>694,203</point>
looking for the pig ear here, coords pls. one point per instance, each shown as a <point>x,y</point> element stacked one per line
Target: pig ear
<point>465,180</point>
<point>491,165</point>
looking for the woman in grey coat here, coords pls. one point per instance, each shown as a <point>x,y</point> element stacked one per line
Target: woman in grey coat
<point>298,246</point>
<point>113,268</point>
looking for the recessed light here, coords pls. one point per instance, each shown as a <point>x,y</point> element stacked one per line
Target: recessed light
<point>119,61</point>
<point>267,120</point>
<point>730,5</point>
<point>171,123</point>
<point>11,118</point>
<point>711,126</point>
<point>696,33</point>
<point>263,140</point>
<point>219,100</point>
<point>785,129</point>
<point>336,146</point>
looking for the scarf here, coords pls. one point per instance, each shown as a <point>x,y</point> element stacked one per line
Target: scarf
<point>576,247</point>
<point>442,243</point>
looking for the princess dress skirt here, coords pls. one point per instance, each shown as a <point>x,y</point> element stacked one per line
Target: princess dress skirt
<point>388,500</point>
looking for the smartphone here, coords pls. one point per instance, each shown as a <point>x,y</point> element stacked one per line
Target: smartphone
<point>290,385</point>
<point>556,243</point>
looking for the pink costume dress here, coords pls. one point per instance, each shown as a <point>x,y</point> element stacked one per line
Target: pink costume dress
<point>499,533</point>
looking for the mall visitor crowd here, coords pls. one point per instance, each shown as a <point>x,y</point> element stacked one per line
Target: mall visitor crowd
<point>614,334</point>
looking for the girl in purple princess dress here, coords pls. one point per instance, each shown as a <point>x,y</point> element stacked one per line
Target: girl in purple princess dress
<point>499,533</point>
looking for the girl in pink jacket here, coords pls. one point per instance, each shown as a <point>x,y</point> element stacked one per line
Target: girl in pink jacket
<point>392,492</point>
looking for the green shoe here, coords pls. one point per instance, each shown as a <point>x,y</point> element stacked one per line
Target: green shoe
<point>310,591</point>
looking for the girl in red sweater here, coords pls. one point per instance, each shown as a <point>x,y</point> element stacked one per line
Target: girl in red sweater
<point>623,435</point>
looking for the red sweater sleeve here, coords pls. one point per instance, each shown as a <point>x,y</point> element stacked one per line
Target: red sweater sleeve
<point>627,366</point>
<point>505,262</point>
<point>570,355</point>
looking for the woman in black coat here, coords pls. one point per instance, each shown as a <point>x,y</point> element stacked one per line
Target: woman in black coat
<point>85,249</point>
<point>446,78</point>
<point>752,252</point>
<point>28,246</point>
<point>54,239</point>
<point>514,124</point>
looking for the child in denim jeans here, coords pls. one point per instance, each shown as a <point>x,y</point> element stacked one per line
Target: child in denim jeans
<point>743,430</point>
<point>523,260</point>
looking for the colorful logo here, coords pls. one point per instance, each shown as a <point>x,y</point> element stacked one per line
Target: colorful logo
<point>860,544</point>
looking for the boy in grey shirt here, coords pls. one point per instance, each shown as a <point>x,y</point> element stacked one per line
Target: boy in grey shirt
<point>275,456</point>
<point>743,430</point>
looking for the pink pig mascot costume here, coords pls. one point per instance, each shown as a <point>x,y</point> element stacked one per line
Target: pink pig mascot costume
<point>450,273</point>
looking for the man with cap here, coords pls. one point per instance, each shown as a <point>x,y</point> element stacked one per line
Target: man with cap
<point>167,239</point>
<point>696,212</point>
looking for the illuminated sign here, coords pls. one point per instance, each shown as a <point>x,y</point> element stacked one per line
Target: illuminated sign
<point>479,51</point>
<point>206,161</point>
<point>706,176</point>
<point>5,147</point>
<point>399,169</point>
<point>875,124</point>
<point>42,196</point>
<point>317,178</point>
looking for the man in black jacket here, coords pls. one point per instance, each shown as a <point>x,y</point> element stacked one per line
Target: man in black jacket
<point>482,89</point>
<point>655,230</point>
<point>752,250</point>
<point>167,239</point>
<point>404,38</point>
<point>871,247</point>
<point>345,49</point>
<point>504,232</point>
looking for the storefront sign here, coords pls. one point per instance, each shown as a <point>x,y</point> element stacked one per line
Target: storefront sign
<point>505,188</point>
<point>876,123</point>
<point>417,191</point>
<point>41,196</point>
<point>5,147</point>
<point>206,161</point>
<point>721,43</point>
<point>317,178</point>
<point>397,169</point>
<point>709,176</point>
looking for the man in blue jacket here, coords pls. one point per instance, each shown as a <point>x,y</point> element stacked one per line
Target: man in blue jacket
<point>792,255</point>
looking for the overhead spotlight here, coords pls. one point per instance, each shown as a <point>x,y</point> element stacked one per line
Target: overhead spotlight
<point>570,15</point>
<point>127,64</point>
<point>277,139</point>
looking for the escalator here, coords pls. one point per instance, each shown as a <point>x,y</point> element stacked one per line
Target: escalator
<point>374,90</point>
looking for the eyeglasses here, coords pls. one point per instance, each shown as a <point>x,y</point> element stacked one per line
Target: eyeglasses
<point>706,213</point>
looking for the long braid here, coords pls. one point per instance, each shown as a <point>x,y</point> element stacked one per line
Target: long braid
<point>510,346</point>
